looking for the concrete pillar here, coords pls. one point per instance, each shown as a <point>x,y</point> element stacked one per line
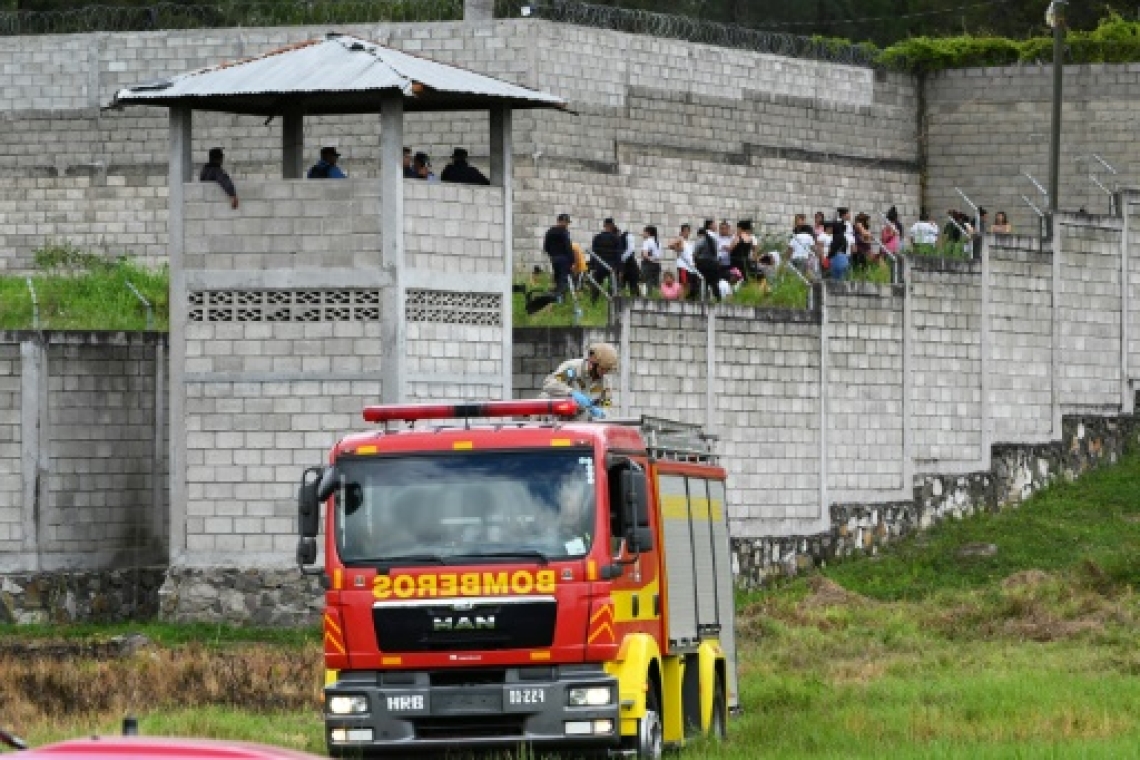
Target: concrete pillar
<point>478,10</point>
<point>35,451</point>
<point>501,176</point>
<point>181,171</point>
<point>293,145</point>
<point>393,326</point>
<point>1123,205</point>
<point>158,514</point>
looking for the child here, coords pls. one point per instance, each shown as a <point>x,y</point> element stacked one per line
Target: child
<point>670,288</point>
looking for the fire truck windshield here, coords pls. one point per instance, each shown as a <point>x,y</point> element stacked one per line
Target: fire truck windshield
<point>465,507</point>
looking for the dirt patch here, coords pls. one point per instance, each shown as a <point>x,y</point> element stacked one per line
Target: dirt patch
<point>827,593</point>
<point>1050,629</point>
<point>1026,579</point>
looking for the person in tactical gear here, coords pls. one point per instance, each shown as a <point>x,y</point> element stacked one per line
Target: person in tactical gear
<point>584,380</point>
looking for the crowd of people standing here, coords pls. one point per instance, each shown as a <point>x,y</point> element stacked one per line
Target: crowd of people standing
<point>720,257</point>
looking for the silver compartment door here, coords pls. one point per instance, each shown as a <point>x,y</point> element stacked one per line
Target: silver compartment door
<point>722,555</point>
<point>703,564</point>
<point>680,586</point>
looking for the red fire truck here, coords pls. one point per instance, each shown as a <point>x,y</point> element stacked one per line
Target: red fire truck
<point>498,581</point>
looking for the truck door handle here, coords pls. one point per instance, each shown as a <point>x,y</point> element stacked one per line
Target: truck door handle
<point>636,605</point>
<point>656,605</point>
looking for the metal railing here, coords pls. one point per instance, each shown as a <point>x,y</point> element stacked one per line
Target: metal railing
<point>1041,223</point>
<point>810,290</point>
<point>35,304</point>
<point>145,303</point>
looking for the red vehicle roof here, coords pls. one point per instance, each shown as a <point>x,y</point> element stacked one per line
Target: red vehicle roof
<point>96,747</point>
<point>495,436</point>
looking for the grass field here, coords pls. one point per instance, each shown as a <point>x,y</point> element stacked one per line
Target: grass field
<point>917,653</point>
<point>75,290</point>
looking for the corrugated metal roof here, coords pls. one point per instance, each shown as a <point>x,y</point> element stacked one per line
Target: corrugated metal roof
<point>340,74</point>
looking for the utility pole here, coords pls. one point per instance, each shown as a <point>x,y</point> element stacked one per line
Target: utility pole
<point>1055,17</point>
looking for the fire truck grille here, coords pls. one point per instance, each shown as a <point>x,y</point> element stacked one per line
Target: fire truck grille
<point>469,727</point>
<point>452,627</point>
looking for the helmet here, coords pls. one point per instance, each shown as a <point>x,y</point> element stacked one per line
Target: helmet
<point>605,355</point>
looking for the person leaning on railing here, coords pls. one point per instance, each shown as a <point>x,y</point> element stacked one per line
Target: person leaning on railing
<point>213,172</point>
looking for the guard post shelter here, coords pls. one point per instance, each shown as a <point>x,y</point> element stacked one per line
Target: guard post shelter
<point>314,298</point>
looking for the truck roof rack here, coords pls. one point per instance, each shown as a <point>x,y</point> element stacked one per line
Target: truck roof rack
<point>673,440</point>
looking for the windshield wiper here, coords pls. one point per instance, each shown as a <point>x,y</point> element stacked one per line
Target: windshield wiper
<point>513,554</point>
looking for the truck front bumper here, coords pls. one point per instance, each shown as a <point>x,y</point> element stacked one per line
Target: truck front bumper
<point>554,706</point>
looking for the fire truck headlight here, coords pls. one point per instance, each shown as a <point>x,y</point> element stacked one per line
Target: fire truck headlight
<point>351,734</point>
<point>347,704</point>
<point>591,696</point>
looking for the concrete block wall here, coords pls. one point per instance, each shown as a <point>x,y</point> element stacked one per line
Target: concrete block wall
<point>1090,300</point>
<point>12,532</point>
<point>107,489</point>
<point>279,323</point>
<point>1021,340</point>
<point>460,223</point>
<point>283,225</point>
<point>771,124</point>
<point>84,486</point>
<point>864,391</point>
<point>113,215</point>
<point>984,127</point>
<point>1130,244</point>
<point>767,399</point>
<point>946,355</point>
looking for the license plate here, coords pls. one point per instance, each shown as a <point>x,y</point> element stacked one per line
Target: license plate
<point>466,702</point>
<point>521,699</point>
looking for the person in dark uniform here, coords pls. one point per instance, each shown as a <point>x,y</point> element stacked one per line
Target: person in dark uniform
<point>213,172</point>
<point>557,246</point>
<point>462,172</point>
<point>608,246</point>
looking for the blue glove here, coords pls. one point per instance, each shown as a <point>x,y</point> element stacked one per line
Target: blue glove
<point>584,401</point>
<point>597,413</point>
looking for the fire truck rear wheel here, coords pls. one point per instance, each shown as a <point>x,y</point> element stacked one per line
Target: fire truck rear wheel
<point>650,734</point>
<point>718,731</point>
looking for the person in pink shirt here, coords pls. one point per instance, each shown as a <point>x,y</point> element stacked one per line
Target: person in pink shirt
<point>892,232</point>
<point>671,289</point>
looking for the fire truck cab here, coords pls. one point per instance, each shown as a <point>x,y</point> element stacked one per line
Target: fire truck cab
<point>497,582</point>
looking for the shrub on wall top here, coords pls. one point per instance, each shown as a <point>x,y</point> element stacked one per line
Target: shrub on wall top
<point>1115,40</point>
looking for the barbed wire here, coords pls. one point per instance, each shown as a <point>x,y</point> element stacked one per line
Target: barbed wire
<point>246,13</point>
<point>232,13</point>
<point>690,29</point>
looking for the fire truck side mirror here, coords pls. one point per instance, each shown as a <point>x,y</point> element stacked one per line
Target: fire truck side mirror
<point>634,504</point>
<point>640,540</point>
<point>327,484</point>
<point>306,551</point>
<point>308,503</point>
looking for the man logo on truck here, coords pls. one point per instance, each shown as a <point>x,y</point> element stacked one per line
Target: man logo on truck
<point>463,623</point>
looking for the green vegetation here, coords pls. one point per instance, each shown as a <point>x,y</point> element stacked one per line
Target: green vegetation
<point>919,652</point>
<point>84,291</point>
<point>1114,40</point>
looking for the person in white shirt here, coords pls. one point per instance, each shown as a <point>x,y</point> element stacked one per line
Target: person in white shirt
<point>924,231</point>
<point>687,274</point>
<point>650,260</point>
<point>800,248</point>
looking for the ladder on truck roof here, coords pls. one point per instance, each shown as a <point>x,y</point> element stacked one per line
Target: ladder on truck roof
<point>674,441</point>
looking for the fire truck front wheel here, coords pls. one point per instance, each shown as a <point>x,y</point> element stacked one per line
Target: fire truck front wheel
<point>649,744</point>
